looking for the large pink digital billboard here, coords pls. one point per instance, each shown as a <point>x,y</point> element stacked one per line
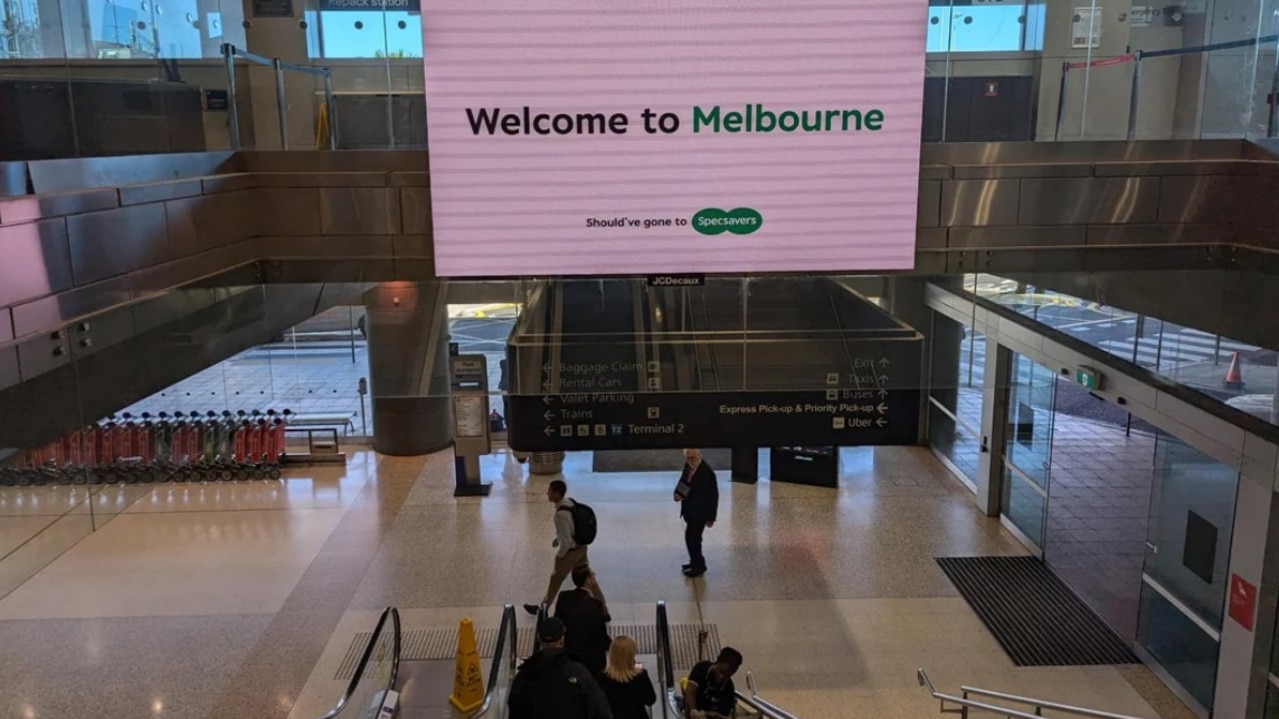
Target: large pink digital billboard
<point>575,137</point>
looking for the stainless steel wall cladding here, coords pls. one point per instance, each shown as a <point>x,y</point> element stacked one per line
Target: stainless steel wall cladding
<point>49,176</point>
<point>105,231</point>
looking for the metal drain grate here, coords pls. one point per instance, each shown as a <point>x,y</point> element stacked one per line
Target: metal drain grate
<point>436,644</point>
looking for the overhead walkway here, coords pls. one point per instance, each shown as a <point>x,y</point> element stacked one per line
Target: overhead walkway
<point>98,232</point>
<point>102,253</point>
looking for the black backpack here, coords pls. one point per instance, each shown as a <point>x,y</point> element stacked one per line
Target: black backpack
<point>559,694</point>
<point>584,526</point>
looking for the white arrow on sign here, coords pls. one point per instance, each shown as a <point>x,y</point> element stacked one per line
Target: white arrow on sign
<point>546,385</point>
<point>884,362</point>
<point>882,408</point>
<point>881,422</point>
<point>547,400</point>
<point>548,431</point>
<point>546,368</point>
<point>548,416</point>
<point>883,394</point>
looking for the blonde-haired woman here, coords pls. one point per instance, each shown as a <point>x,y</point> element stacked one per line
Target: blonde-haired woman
<point>626,683</point>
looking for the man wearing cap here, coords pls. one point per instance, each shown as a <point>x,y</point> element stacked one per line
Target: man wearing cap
<point>550,685</point>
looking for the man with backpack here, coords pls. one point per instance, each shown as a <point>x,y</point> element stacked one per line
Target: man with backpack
<point>575,529</point>
<point>550,685</point>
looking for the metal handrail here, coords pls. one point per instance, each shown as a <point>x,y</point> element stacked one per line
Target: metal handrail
<point>761,705</point>
<point>542,613</point>
<point>1040,704</point>
<point>389,614</point>
<point>665,672</point>
<point>231,52</point>
<point>963,704</point>
<point>507,630</point>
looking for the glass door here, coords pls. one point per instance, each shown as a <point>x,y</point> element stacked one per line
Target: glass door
<point>1185,575</point>
<point>1028,450</point>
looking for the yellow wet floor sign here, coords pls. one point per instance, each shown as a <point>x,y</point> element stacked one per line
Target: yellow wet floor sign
<point>468,678</point>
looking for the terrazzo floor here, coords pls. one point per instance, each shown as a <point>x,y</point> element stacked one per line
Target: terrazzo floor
<point>234,601</point>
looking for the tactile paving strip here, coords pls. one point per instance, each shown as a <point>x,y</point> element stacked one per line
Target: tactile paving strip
<point>436,644</point>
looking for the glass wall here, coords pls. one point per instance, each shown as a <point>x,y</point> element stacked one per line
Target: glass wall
<point>1240,374</point>
<point>1043,71</point>
<point>955,395</point>
<point>82,78</point>
<point>1028,448</point>
<point>117,30</point>
<point>1135,521</point>
<point>1185,576</point>
<point>70,462</point>
<point>1062,70</point>
<point>314,370</point>
<point>1102,460</point>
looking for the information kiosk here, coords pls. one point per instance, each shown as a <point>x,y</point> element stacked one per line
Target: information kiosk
<point>468,377</point>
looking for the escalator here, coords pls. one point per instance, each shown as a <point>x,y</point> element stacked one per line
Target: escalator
<point>578,336</point>
<point>750,704</point>
<point>383,685</point>
<point>615,364</point>
<point>372,691</point>
<point>792,332</point>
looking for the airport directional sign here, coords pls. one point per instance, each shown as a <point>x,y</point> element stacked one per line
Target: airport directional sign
<point>655,420</point>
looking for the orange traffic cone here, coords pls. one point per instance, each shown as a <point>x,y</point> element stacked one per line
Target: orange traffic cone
<point>1234,376</point>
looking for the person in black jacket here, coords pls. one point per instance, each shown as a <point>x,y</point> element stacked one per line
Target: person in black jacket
<point>550,685</point>
<point>585,620</point>
<point>698,495</point>
<point>626,684</point>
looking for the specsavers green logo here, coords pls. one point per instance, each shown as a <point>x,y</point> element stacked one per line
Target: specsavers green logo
<point>741,221</point>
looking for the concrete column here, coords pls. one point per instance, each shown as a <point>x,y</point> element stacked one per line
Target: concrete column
<point>745,464</point>
<point>407,325</point>
<point>994,423</point>
<point>286,39</point>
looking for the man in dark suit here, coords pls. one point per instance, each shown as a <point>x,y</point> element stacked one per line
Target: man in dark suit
<point>698,495</point>
<point>586,620</point>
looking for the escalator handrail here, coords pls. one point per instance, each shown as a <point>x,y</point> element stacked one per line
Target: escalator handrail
<point>665,670</point>
<point>542,613</point>
<point>507,630</point>
<point>766,709</point>
<point>392,615</point>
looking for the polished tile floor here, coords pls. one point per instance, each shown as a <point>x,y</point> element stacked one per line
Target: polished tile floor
<point>240,600</point>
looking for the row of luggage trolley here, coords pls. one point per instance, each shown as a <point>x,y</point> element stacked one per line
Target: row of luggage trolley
<point>182,447</point>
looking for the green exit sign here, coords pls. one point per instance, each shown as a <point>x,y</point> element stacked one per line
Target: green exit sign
<point>1088,378</point>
